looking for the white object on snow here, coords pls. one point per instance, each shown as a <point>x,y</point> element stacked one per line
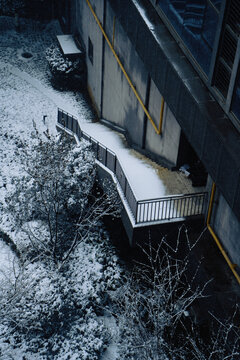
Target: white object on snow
<point>68,45</point>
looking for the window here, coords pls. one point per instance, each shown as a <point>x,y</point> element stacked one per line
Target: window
<point>90,50</point>
<point>195,22</point>
<point>227,48</point>
<point>236,98</point>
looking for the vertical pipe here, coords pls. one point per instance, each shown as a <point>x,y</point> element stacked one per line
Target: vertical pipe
<point>211,203</point>
<point>210,208</point>
<point>161,117</point>
<point>144,131</point>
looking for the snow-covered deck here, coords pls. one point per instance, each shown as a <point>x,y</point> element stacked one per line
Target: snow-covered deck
<point>140,185</point>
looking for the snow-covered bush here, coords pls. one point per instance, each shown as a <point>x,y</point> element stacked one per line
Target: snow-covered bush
<point>48,200</point>
<point>57,63</point>
<point>51,309</point>
<point>66,73</point>
<point>54,314</point>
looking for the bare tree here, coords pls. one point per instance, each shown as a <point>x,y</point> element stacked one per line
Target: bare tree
<point>154,312</point>
<point>56,202</point>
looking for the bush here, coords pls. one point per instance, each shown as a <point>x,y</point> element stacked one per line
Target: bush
<point>47,201</point>
<point>50,306</point>
<point>66,73</point>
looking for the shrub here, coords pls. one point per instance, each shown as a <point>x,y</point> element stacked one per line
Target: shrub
<point>65,73</point>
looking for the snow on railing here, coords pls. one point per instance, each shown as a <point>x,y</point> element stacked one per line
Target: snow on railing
<point>143,211</point>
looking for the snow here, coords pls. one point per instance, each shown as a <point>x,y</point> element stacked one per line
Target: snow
<point>112,349</point>
<point>51,100</point>
<point>27,96</point>
<point>68,45</point>
<point>93,270</point>
<point>149,24</point>
<point>8,260</point>
<point>141,176</point>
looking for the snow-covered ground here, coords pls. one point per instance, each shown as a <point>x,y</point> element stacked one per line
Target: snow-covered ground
<point>33,72</point>
<point>8,263</point>
<point>26,96</point>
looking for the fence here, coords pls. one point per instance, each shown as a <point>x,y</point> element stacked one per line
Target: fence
<point>144,211</point>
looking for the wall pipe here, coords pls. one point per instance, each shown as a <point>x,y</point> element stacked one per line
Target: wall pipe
<point>161,117</point>
<point>122,68</point>
<point>210,208</point>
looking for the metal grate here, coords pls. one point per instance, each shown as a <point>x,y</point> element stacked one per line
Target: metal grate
<point>222,77</point>
<point>228,47</point>
<point>233,16</point>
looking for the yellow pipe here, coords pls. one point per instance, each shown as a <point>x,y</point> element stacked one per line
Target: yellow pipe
<point>113,37</point>
<point>230,264</point>
<point>122,68</point>
<point>161,117</point>
<point>211,203</point>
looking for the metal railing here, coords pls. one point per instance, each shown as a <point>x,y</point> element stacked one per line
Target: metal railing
<point>171,207</point>
<point>143,211</point>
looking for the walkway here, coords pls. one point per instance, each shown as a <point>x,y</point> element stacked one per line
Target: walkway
<point>140,186</point>
<point>148,180</point>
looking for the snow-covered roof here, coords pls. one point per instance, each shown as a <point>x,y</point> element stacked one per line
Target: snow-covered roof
<point>68,45</point>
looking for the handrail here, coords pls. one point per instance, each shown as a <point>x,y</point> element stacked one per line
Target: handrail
<point>171,196</point>
<point>177,206</point>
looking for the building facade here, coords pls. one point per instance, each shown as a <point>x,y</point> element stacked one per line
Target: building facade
<point>166,73</point>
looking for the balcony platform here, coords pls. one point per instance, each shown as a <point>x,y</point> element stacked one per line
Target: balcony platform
<point>152,196</point>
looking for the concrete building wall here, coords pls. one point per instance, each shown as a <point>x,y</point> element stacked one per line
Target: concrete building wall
<point>73,17</point>
<point>88,28</point>
<point>120,105</point>
<point>162,65</point>
<point>165,144</point>
<point>227,228</point>
<point>110,91</point>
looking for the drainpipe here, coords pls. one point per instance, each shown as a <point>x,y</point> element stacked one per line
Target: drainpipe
<point>159,132</point>
<point>210,208</point>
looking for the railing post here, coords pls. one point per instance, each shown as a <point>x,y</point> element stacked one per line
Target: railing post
<point>125,185</point>
<point>97,148</point>
<point>115,163</point>
<point>105,160</point>
<point>136,211</point>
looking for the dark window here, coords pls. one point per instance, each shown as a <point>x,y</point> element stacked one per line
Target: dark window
<point>195,22</point>
<point>227,48</point>
<point>90,50</point>
<point>236,98</point>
